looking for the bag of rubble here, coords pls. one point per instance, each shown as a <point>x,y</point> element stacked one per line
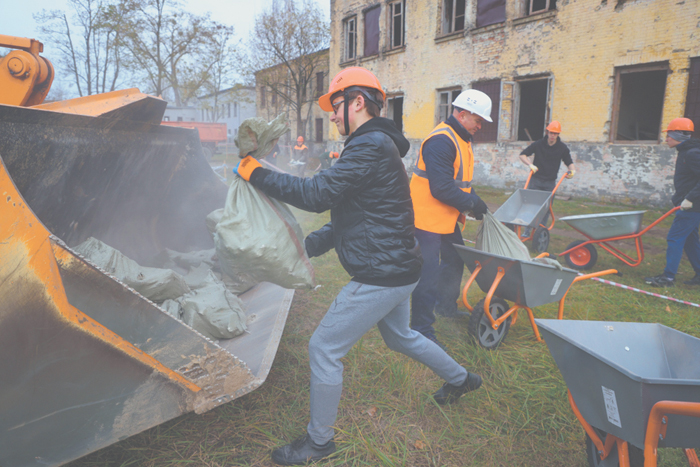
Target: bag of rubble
<point>210,308</point>
<point>257,238</point>
<point>155,284</point>
<point>494,237</point>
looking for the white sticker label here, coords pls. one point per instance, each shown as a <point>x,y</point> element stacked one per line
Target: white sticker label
<point>611,406</point>
<point>557,283</point>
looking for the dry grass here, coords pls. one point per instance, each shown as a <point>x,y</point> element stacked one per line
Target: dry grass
<point>521,416</point>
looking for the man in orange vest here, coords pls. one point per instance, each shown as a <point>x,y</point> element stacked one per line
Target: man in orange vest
<point>372,232</point>
<point>300,154</point>
<point>441,191</point>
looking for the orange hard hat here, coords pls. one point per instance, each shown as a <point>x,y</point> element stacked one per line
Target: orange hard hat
<point>681,124</point>
<point>300,139</point>
<point>352,76</point>
<point>554,127</point>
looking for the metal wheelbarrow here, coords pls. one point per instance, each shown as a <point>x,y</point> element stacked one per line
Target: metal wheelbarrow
<point>527,208</point>
<point>633,386</point>
<point>527,284</point>
<point>603,228</point>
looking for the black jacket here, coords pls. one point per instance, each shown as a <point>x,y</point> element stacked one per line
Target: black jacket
<point>686,179</point>
<point>548,158</point>
<point>439,153</point>
<point>367,191</point>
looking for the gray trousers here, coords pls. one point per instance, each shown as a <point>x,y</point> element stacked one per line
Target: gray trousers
<point>356,309</point>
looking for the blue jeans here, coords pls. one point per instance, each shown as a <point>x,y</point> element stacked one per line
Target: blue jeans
<point>683,235</point>
<point>356,310</point>
<point>440,278</point>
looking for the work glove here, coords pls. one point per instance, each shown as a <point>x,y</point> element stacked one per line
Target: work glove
<point>479,210</point>
<point>245,167</point>
<point>570,174</point>
<point>533,168</point>
<point>685,205</point>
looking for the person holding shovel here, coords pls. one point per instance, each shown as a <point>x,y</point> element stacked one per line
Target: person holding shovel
<point>371,229</point>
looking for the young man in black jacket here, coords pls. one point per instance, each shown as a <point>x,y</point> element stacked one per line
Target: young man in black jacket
<point>372,231</point>
<point>683,234</point>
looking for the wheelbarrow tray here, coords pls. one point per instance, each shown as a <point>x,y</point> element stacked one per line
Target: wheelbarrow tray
<point>616,372</point>
<point>527,283</point>
<point>525,207</point>
<point>607,225</point>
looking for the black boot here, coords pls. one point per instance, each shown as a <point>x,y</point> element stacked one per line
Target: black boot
<point>449,393</point>
<point>302,451</point>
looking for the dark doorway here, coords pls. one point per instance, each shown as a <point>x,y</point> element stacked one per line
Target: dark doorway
<point>533,109</point>
<point>395,111</point>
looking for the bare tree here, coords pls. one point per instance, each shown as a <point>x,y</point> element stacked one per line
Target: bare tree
<point>286,52</point>
<point>223,55</point>
<point>166,44</point>
<point>86,42</point>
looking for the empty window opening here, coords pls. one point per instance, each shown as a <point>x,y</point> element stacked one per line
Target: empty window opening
<point>394,111</point>
<point>319,84</point>
<point>350,33</point>
<point>539,6</point>
<point>453,16</point>
<point>533,109</point>
<point>692,100</point>
<point>639,104</point>
<point>445,100</point>
<point>263,98</point>
<point>273,99</point>
<point>397,23</point>
<point>489,130</point>
<point>319,130</point>
<point>372,31</point>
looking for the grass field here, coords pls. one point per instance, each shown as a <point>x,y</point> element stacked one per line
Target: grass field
<point>520,417</point>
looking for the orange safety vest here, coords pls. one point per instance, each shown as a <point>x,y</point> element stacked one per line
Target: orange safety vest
<point>300,148</point>
<point>433,215</point>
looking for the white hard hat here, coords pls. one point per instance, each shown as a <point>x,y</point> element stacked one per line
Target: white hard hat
<point>475,102</point>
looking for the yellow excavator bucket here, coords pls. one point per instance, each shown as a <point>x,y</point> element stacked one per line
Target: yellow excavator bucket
<point>88,361</point>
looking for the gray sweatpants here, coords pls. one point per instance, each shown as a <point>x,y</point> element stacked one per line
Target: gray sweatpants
<point>356,309</point>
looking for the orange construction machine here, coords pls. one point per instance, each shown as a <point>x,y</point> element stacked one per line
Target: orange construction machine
<point>86,360</point>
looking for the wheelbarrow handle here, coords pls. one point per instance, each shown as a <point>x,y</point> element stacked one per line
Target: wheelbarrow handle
<point>582,277</point>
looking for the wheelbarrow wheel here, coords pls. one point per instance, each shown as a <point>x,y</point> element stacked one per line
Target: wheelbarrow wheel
<point>583,257</point>
<point>636,454</point>
<point>480,327</point>
<point>540,241</point>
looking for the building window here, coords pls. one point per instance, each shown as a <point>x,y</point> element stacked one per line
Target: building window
<point>263,98</point>
<point>350,34</point>
<point>372,31</point>
<point>394,111</point>
<point>445,99</point>
<point>319,84</point>
<point>235,109</point>
<point>453,16</point>
<point>489,131</point>
<point>639,102</point>
<point>692,99</point>
<point>229,110</point>
<point>166,119</point>
<point>539,6</point>
<point>179,119</point>
<point>273,100</point>
<point>490,12</point>
<point>533,108</point>
<point>397,23</point>
<point>319,130</point>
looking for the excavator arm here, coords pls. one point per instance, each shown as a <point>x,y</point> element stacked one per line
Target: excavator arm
<point>25,77</point>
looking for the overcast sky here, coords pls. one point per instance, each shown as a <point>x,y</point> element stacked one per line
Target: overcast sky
<point>16,17</point>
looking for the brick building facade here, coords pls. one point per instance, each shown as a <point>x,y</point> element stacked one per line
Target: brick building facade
<point>613,72</point>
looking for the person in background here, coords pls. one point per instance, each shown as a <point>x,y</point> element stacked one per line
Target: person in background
<point>683,234</point>
<point>441,191</point>
<point>371,229</point>
<point>272,157</point>
<point>300,154</point>
<point>543,158</point>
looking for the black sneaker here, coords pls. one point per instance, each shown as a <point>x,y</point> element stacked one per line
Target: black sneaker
<point>302,451</point>
<point>449,393</point>
<point>661,280</point>
<point>694,281</point>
